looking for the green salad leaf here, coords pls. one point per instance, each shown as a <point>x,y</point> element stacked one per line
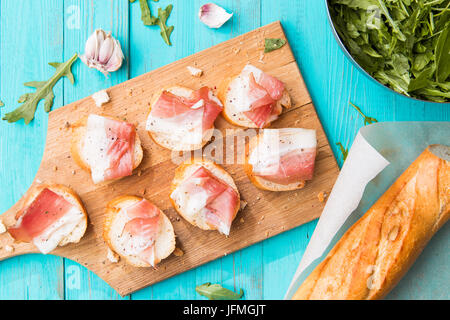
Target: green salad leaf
<point>404,44</point>
<point>217,292</point>
<point>272,44</point>
<point>44,91</point>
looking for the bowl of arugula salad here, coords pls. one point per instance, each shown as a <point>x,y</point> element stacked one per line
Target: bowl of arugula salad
<point>402,44</point>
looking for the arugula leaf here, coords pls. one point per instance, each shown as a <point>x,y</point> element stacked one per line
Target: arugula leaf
<point>146,15</point>
<point>166,31</point>
<point>217,292</point>
<point>443,55</point>
<point>44,91</point>
<point>343,150</point>
<point>1,104</point>
<point>403,44</point>
<point>367,120</point>
<point>272,44</point>
<point>149,20</point>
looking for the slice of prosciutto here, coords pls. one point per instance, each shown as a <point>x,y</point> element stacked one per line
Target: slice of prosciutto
<point>46,221</point>
<point>184,119</point>
<point>284,156</point>
<point>259,94</point>
<point>213,200</point>
<point>141,231</point>
<point>109,148</point>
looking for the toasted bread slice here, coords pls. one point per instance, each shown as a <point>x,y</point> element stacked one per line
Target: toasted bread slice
<point>260,182</point>
<point>231,108</point>
<point>166,140</point>
<point>78,137</point>
<point>185,171</point>
<point>113,227</point>
<point>73,235</point>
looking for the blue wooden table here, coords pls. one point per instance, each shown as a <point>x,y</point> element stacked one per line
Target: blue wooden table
<point>34,32</point>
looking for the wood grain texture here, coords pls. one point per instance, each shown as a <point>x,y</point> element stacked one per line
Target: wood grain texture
<point>266,214</point>
<point>32,33</point>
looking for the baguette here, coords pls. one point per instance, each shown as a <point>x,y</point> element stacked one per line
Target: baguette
<point>79,130</point>
<point>374,254</point>
<point>113,230</point>
<point>59,233</point>
<point>232,104</point>
<point>198,218</point>
<point>170,140</point>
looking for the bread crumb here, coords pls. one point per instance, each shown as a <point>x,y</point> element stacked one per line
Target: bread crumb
<point>243,204</point>
<point>267,233</point>
<point>236,50</point>
<point>2,227</point>
<point>67,125</point>
<point>74,172</point>
<point>178,219</point>
<point>262,218</point>
<point>112,256</point>
<point>55,168</point>
<point>321,196</point>
<point>139,173</point>
<point>178,252</point>
<point>261,58</point>
<point>242,220</point>
<point>100,98</point>
<point>195,72</point>
<point>9,248</point>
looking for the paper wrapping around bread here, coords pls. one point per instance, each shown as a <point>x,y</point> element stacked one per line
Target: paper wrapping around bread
<point>373,255</point>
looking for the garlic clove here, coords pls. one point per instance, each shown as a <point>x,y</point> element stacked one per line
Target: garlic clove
<point>103,52</point>
<point>116,59</point>
<point>213,16</point>
<point>106,51</point>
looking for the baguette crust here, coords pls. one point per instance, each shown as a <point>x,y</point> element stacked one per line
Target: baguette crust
<point>374,254</point>
<point>163,248</point>
<point>184,171</point>
<point>260,182</point>
<point>240,119</point>
<point>77,141</point>
<point>68,194</point>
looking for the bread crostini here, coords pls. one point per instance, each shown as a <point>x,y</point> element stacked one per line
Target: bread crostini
<point>205,195</point>
<point>138,231</point>
<point>253,99</point>
<point>51,216</point>
<point>106,147</point>
<point>281,159</point>
<point>182,119</point>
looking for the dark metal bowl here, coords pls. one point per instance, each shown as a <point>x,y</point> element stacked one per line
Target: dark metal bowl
<point>357,66</point>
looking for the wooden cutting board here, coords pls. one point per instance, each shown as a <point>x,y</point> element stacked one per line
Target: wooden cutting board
<point>266,214</point>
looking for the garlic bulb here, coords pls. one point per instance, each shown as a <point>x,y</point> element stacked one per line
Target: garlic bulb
<point>213,16</point>
<point>103,52</point>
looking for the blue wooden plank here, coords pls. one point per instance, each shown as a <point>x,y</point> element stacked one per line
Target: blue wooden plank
<point>31,36</point>
<point>82,17</point>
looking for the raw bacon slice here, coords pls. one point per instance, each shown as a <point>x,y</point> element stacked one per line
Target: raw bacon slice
<point>46,209</point>
<point>220,212</point>
<point>141,231</point>
<point>272,85</point>
<point>284,156</point>
<point>298,165</point>
<point>170,106</point>
<point>263,92</point>
<point>203,192</point>
<point>109,148</point>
